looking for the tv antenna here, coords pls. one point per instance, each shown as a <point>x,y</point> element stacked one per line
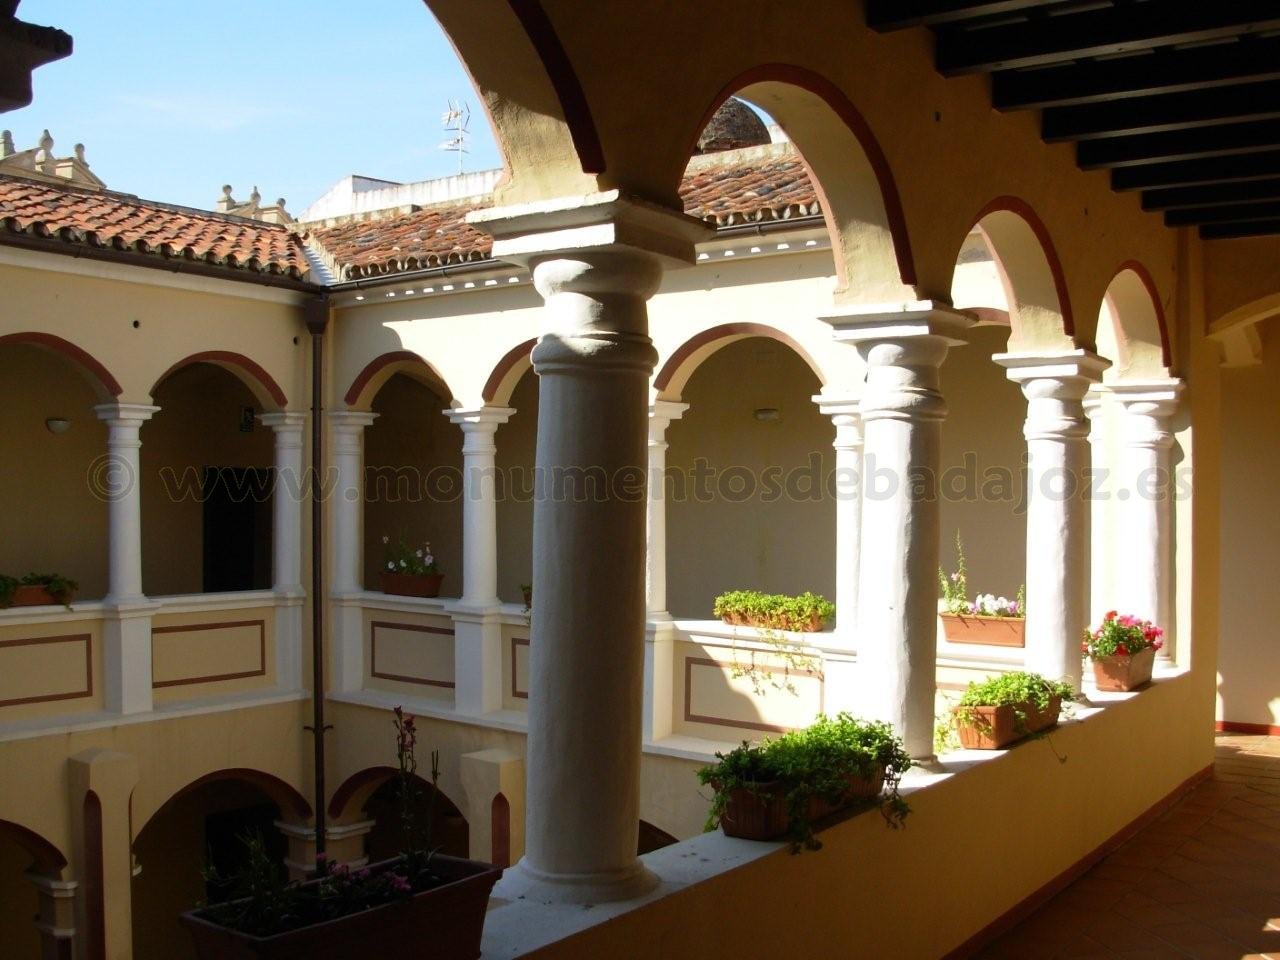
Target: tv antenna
<point>457,121</point>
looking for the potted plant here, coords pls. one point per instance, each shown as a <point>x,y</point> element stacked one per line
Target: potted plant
<point>988,619</point>
<point>37,590</point>
<point>778,788</point>
<point>806,613</point>
<point>418,897</point>
<point>1007,708</point>
<point>409,570</point>
<point>1123,651</point>
<point>526,591</point>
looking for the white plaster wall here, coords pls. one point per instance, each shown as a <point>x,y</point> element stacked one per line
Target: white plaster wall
<point>1249,648</point>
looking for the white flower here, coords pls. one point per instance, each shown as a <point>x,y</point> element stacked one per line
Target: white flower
<point>429,560</point>
<point>403,564</point>
<point>390,565</point>
<point>419,554</point>
<point>386,539</point>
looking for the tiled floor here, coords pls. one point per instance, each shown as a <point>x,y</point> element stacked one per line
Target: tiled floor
<point>1201,882</point>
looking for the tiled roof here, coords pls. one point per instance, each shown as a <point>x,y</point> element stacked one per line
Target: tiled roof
<point>747,186</point>
<point>117,222</point>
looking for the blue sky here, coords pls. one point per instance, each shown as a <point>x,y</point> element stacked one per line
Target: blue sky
<point>173,98</point>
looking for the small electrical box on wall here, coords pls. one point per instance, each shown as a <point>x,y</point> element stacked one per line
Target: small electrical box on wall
<point>247,415</point>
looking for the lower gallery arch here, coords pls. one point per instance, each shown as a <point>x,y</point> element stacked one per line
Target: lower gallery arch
<point>374,794</point>
<point>671,378</point>
<point>23,850</point>
<point>52,447</point>
<point>188,847</point>
<point>748,504</point>
<point>247,371</point>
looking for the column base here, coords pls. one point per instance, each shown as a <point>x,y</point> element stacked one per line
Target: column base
<point>529,883</point>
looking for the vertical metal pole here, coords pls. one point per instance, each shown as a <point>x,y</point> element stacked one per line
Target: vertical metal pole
<point>317,316</point>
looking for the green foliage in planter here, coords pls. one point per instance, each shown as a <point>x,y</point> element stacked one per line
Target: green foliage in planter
<point>61,588</point>
<point>774,610</point>
<point>1012,689</point>
<point>816,762</point>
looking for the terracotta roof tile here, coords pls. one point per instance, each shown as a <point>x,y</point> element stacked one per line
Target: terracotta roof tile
<point>751,186</point>
<point>119,222</point>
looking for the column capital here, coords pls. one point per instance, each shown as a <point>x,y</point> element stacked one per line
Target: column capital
<point>351,420</point>
<point>608,222</point>
<point>283,421</point>
<point>125,413</point>
<point>479,419</point>
<point>661,414</point>
<point>1152,398</point>
<point>845,411</point>
<point>1075,370</point>
<point>921,321</point>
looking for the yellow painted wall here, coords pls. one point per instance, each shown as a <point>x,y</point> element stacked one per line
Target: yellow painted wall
<point>1249,648</point>
<point>54,523</point>
<point>198,426</point>
<point>412,437</point>
<point>783,546</point>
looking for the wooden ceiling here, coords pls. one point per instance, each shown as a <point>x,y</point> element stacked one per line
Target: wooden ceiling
<point>1179,99</point>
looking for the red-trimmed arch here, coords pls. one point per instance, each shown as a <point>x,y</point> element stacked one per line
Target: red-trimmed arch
<point>49,860</point>
<point>248,371</point>
<point>1025,212</point>
<point>380,369</point>
<point>287,797</point>
<point>501,376</point>
<point>104,384</point>
<point>724,334</point>
<point>356,790</point>
<point>852,118</point>
<point>1148,281</point>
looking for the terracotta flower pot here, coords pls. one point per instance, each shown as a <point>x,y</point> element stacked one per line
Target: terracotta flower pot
<point>761,813</point>
<point>446,920</point>
<point>32,596</point>
<point>734,619</point>
<point>1124,672</point>
<point>994,728</point>
<point>411,584</point>
<point>992,631</point>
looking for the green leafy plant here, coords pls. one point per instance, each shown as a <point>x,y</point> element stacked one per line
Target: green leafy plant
<point>259,900</point>
<point>955,593</point>
<point>765,676</point>
<point>1121,635</point>
<point>806,613</point>
<point>1016,689</point>
<point>61,588</point>
<point>816,763</point>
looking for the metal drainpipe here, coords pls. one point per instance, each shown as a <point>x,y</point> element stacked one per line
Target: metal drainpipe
<point>317,319</point>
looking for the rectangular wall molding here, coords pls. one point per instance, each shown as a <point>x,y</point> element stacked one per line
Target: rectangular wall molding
<point>395,649</point>
<point>191,653</point>
<point>26,662</point>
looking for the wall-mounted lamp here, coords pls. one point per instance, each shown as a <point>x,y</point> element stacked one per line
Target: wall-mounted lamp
<point>767,414</point>
<point>57,425</point>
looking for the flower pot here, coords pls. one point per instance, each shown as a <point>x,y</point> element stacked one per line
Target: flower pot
<point>860,788</point>
<point>446,920</point>
<point>994,728</point>
<point>411,584</point>
<point>1124,672</point>
<point>527,593</point>
<point>992,631</point>
<point>760,813</point>
<point>813,625</point>
<point>33,596</point>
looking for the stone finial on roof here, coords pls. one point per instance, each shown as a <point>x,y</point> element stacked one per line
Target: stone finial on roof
<point>79,152</point>
<point>6,143</point>
<point>40,163</point>
<point>253,208</point>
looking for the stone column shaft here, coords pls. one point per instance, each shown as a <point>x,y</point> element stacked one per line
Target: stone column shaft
<point>1057,434</point>
<point>659,636</point>
<point>346,429</point>
<point>902,413</point>
<point>846,415</point>
<point>287,507</point>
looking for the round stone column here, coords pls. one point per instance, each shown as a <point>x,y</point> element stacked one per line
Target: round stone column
<point>596,260</point>
<point>846,416</point>
<point>661,414</point>
<point>346,645</point>
<point>479,503</point>
<point>1057,433</point>
<point>902,413</point>
<point>1145,513</point>
<point>286,547</point>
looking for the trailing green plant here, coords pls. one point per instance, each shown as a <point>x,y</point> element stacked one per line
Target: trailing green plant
<point>61,588</point>
<point>805,613</point>
<point>815,763</point>
<point>955,593</point>
<point>1016,689</point>
<point>763,676</point>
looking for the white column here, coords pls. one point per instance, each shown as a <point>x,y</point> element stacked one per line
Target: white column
<point>1101,555</point>
<point>477,662</point>
<point>846,415</point>
<point>287,504</point>
<point>1057,509</point>
<point>346,431</point>
<point>126,655</point>
<point>1145,510</point>
<point>659,645</point>
<point>902,413</point>
<point>596,260</point>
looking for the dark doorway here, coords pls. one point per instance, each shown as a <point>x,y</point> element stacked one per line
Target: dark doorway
<point>237,529</point>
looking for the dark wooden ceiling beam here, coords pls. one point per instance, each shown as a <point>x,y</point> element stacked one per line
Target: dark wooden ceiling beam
<point>1099,32</point>
<point>1146,73</point>
<point>1186,173</point>
<point>1193,144</point>
<point>1211,194</point>
<point>1194,216</point>
<point>1227,231</point>
<point>1172,111</point>
<point>887,15</point>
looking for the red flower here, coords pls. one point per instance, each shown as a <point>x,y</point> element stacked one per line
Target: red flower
<point>1111,615</point>
<point>1122,650</point>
